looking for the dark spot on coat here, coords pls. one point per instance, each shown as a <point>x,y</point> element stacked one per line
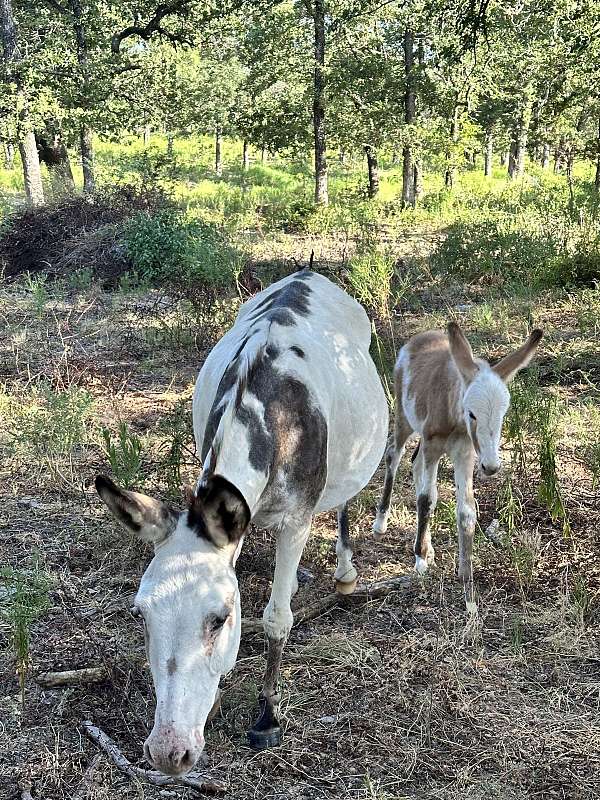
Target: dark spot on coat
<point>298,351</point>
<point>272,351</point>
<point>290,445</point>
<point>281,305</point>
<point>171,666</point>
<point>423,511</point>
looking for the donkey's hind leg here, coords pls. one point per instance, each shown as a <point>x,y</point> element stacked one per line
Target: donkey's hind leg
<point>393,455</point>
<point>345,574</point>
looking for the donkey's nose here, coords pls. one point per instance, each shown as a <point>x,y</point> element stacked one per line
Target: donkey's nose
<point>172,758</point>
<point>490,470</point>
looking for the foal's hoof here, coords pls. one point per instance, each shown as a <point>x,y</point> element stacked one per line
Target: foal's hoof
<point>346,587</point>
<point>264,740</point>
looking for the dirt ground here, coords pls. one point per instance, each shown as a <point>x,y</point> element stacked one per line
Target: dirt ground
<point>405,696</point>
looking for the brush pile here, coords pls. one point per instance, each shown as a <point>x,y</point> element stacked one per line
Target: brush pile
<point>81,232</point>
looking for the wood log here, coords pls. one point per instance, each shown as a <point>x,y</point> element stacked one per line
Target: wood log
<point>72,677</point>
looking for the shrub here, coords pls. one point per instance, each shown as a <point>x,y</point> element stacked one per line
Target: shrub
<point>168,245</point>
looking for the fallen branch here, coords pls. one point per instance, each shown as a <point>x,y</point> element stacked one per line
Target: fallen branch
<point>193,780</point>
<point>70,677</point>
<point>362,594</point>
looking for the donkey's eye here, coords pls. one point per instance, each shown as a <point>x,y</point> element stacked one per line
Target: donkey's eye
<point>215,622</point>
<point>472,416</point>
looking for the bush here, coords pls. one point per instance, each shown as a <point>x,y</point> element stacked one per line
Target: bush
<point>524,251</point>
<point>168,245</point>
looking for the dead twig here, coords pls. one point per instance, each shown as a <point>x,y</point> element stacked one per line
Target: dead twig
<point>86,786</point>
<point>70,677</point>
<point>194,780</point>
<point>362,594</point>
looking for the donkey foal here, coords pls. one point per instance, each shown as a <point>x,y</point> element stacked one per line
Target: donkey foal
<point>457,404</point>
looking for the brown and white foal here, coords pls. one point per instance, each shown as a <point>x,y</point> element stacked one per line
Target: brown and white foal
<point>457,404</point>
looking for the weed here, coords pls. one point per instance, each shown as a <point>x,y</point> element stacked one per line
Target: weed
<point>39,292</point>
<point>581,598</point>
<point>179,434</point>
<point>124,455</point>
<point>509,507</point>
<point>369,277</point>
<point>25,599</point>
<point>48,422</point>
<point>550,492</point>
<point>517,631</point>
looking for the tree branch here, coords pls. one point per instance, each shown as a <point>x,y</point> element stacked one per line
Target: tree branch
<point>154,25</point>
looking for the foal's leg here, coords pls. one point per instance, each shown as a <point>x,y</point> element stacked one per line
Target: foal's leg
<point>463,458</point>
<point>425,469</point>
<point>277,621</point>
<point>345,574</point>
<point>393,454</point>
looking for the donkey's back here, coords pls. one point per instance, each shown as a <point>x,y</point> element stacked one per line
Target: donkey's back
<point>298,356</point>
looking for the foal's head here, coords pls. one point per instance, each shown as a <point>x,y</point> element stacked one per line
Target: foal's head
<point>486,398</point>
<point>190,603</point>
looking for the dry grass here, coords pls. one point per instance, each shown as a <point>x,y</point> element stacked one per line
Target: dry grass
<point>392,699</point>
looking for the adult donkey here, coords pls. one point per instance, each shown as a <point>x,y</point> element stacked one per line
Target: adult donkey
<point>291,419</point>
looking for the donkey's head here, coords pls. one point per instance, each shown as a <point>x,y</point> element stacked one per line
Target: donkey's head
<point>486,397</point>
<point>190,603</point>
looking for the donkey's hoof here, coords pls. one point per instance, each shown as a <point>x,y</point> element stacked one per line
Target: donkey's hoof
<point>346,587</point>
<point>421,565</point>
<point>264,740</point>
<point>379,526</point>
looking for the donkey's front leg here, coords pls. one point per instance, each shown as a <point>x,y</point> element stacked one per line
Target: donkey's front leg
<point>425,468</point>
<point>277,621</point>
<point>463,458</point>
<point>345,573</point>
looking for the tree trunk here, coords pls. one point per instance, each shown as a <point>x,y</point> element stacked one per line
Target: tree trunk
<point>9,155</point>
<point>488,151</point>
<point>504,158</point>
<point>373,169</point>
<point>146,135</point>
<point>597,176</point>
<point>545,155</point>
<point>418,179</point>
<point>454,137</point>
<point>263,155</point>
<point>518,150</point>
<point>218,157</point>
<point>53,153</point>
<point>245,156</point>
<point>319,107</point>
<point>408,167</point>
<point>32,176</point>
<point>559,155</point>
<point>170,145</point>
<point>87,159</point>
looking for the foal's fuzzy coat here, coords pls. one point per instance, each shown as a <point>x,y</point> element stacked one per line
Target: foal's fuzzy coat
<point>457,404</point>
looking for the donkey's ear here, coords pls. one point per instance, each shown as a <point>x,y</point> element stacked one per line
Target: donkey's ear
<point>508,367</point>
<point>149,519</point>
<point>219,512</point>
<point>461,352</point>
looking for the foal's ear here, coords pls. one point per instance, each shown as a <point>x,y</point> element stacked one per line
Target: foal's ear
<point>508,367</point>
<point>149,519</point>
<point>219,512</point>
<point>461,352</point>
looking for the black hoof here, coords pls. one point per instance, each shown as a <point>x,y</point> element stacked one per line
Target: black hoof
<point>263,740</point>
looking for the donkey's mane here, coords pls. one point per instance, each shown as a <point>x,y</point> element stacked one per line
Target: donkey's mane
<point>244,363</point>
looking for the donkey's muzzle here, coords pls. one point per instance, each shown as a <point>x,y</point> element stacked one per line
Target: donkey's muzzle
<point>173,752</point>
